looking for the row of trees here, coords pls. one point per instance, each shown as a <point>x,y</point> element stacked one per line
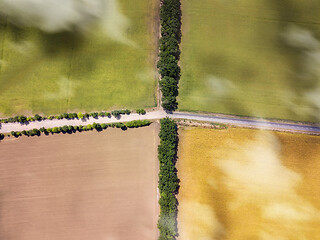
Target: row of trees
<point>80,128</point>
<point>169,56</point>
<point>37,117</point>
<point>168,180</point>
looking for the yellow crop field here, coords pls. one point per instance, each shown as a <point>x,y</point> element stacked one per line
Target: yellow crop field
<point>248,185</point>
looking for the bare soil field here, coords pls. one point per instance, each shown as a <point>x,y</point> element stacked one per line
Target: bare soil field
<point>97,186</point>
<point>248,185</point>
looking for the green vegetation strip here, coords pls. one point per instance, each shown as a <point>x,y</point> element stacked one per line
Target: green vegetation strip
<point>168,180</point>
<point>80,115</point>
<point>170,20</point>
<point>72,129</point>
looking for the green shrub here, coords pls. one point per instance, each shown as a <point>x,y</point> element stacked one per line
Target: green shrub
<point>56,130</point>
<point>30,119</point>
<point>22,119</point>
<point>94,114</point>
<point>141,111</point>
<point>116,113</point>
<point>138,123</point>
<point>89,127</point>
<point>37,117</point>
<point>80,115</point>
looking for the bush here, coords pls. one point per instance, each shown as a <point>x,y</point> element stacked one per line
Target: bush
<point>30,119</point>
<point>89,127</point>
<point>94,114</point>
<point>116,113</point>
<point>120,125</point>
<point>37,117</point>
<point>72,115</point>
<point>64,129</point>
<point>22,119</point>
<point>80,115</point>
<point>138,123</point>
<point>141,111</point>
<point>56,130</point>
<point>33,132</point>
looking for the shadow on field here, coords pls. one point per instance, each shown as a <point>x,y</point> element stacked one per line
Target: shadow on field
<point>77,52</point>
<point>54,44</point>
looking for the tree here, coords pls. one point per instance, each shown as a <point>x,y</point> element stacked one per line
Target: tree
<point>22,119</point>
<point>55,130</point>
<point>141,111</point>
<point>64,129</point>
<point>37,117</point>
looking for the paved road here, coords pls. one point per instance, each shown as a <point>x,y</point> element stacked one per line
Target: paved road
<point>241,122</point>
<point>260,124</point>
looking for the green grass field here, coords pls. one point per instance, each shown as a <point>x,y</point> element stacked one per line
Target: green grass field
<point>54,73</point>
<point>254,58</point>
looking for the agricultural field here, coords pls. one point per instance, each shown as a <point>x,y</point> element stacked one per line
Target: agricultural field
<point>90,185</point>
<point>248,184</point>
<point>110,66</point>
<point>253,58</point>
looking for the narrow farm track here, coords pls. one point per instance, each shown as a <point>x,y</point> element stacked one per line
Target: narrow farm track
<point>230,120</point>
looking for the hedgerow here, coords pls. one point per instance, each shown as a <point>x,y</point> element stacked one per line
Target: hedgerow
<point>168,180</point>
<point>169,56</point>
<point>37,117</point>
<point>80,128</point>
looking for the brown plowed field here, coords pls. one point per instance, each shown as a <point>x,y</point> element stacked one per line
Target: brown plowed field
<point>84,186</point>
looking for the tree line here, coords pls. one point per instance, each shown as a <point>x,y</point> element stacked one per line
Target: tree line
<point>169,56</point>
<point>72,129</point>
<point>80,115</point>
<point>168,180</point>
